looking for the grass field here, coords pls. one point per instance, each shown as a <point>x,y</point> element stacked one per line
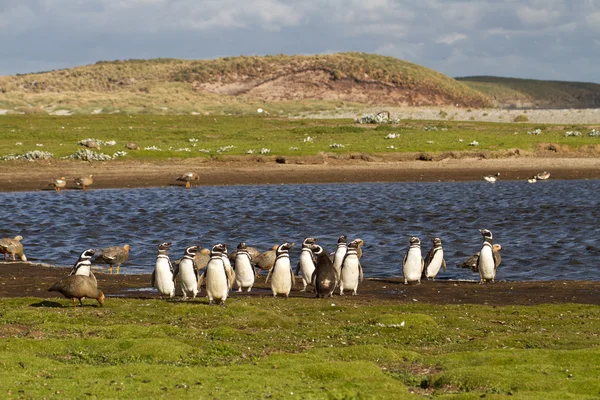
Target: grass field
<point>347,348</point>
<point>208,136</point>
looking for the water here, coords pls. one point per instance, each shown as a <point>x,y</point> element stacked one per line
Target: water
<point>548,230</point>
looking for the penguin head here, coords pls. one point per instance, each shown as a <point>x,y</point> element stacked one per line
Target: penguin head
<point>219,249</point>
<point>486,233</point>
<point>414,240</point>
<point>436,241</point>
<point>164,246</point>
<point>87,254</point>
<point>308,241</point>
<point>342,239</point>
<point>242,246</point>
<point>192,250</point>
<point>316,249</point>
<point>284,247</point>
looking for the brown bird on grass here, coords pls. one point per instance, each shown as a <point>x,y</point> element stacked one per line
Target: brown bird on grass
<point>12,247</point>
<point>188,177</point>
<point>59,183</point>
<point>84,181</point>
<point>115,255</point>
<point>78,287</point>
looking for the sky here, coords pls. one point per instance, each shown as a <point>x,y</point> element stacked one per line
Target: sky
<point>537,39</point>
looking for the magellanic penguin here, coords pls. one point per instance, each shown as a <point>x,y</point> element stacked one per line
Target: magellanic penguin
<point>13,247</point>
<point>434,260</point>
<point>83,265</point>
<point>217,276</point>
<point>163,276</point>
<point>486,264</point>
<point>306,265</point>
<point>188,273</point>
<point>324,279</point>
<point>244,271</point>
<point>492,178</point>
<point>78,287</point>
<point>412,267</point>
<point>351,273</point>
<point>340,252</point>
<point>114,255</point>
<point>282,276</point>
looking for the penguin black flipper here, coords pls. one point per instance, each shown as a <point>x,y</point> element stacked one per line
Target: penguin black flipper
<point>195,266</point>
<point>293,277</point>
<point>171,268</point>
<point>297,268</point>
<point>175,271</point>
<point>360,273</point>
<point>153,279</point>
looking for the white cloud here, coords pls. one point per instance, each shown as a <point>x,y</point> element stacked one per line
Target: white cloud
<point>537,16</point>
<point>451,38</point>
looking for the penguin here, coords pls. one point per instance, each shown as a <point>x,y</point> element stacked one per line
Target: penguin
<point>412,267</point>
<point>282,275</point>
<point>244,271</point>
<point>324,279</point>
<point>340,252</point>
<point>434,260</point>
<point>486,263</point>
<point>351,273</point>
<point>533,179</point>
<point>492,178</point>
<point>217,276</point>
<point>163,276</point>
<point>471,262</point>
<point>306,265</point>
<point>83,265</point>
<point>188,273</point>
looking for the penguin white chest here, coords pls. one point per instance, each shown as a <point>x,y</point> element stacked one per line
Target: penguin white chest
<point>436,263</point>
<point>487,269</point>
<point>307,266</point>
<point>244,274</point>
<point>413,264</point>
<point>281,278</point>
<point>189,282</point>
<point>216,280</point>
<point>350,272</point>
<point>338,258</point>
<point>163,277</point>
<point>84,269</point>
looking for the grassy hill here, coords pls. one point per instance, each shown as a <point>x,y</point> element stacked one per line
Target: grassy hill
<point>531,93</point>
<point>235,85</point>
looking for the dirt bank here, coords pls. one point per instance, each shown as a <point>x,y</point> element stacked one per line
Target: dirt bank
<point>24,176</point>
<point>19,279</point>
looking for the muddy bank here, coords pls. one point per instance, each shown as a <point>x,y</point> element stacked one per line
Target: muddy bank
<point>26,176</point>
<point>18,279</point>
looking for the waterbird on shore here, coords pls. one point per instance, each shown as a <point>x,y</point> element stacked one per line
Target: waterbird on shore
<point>244,271</point>
<point>542,176</point>
<point>306,265</point>
<point>188,177</point>
<point>265,260</point>
<point>163,276</point>
<point>78,287</point>
<point>533,179</point>
<point>434,260</point>
<point>340,252</point>
<point>324,279</point>
<point>413,264</point>
<point>114,255</point>
<point>13,247</point>
<point>471,262</point>
<point>351,272</point>
<point>217,276</point>
<point>492,178</point>
<point>84,181</point>
<point>58,183</point>
<point>485,263</point>
<point>188,273</point>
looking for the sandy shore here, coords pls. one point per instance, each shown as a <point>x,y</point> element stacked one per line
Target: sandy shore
<point>26,176</point>
<point>27,279</point>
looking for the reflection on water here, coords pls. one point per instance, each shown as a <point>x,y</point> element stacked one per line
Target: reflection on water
<point>548,230</point>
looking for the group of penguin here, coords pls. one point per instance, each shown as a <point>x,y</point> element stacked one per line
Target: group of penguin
<point>325,272</point>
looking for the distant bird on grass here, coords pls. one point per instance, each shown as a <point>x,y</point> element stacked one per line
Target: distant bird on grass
<point>132,146</point>
<point>84,181</point>
<point>59,183</point>
<point>188,177</point>
<point>492,178</point>
<point>115,255</point>
<point>12,247</point>
<point>78,287</point>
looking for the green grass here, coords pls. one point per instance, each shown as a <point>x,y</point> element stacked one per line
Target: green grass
<point>264,347</point>
<point>60,135</point>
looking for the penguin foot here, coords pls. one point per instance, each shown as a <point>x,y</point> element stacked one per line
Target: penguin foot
<point>211,303</point>
<point>249,289</point>
<point>222,304</point>
<point>354,293</point>
<point>405,282</point>
<point>239,289</point>
<point>341,293</point>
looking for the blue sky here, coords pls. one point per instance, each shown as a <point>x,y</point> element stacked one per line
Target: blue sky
<point>549,39</point>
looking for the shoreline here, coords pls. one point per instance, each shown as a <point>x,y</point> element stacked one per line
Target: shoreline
<point>36,175</point>
<point>24,279</point>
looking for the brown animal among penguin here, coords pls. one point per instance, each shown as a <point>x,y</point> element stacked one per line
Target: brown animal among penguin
<point>77,287</point>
